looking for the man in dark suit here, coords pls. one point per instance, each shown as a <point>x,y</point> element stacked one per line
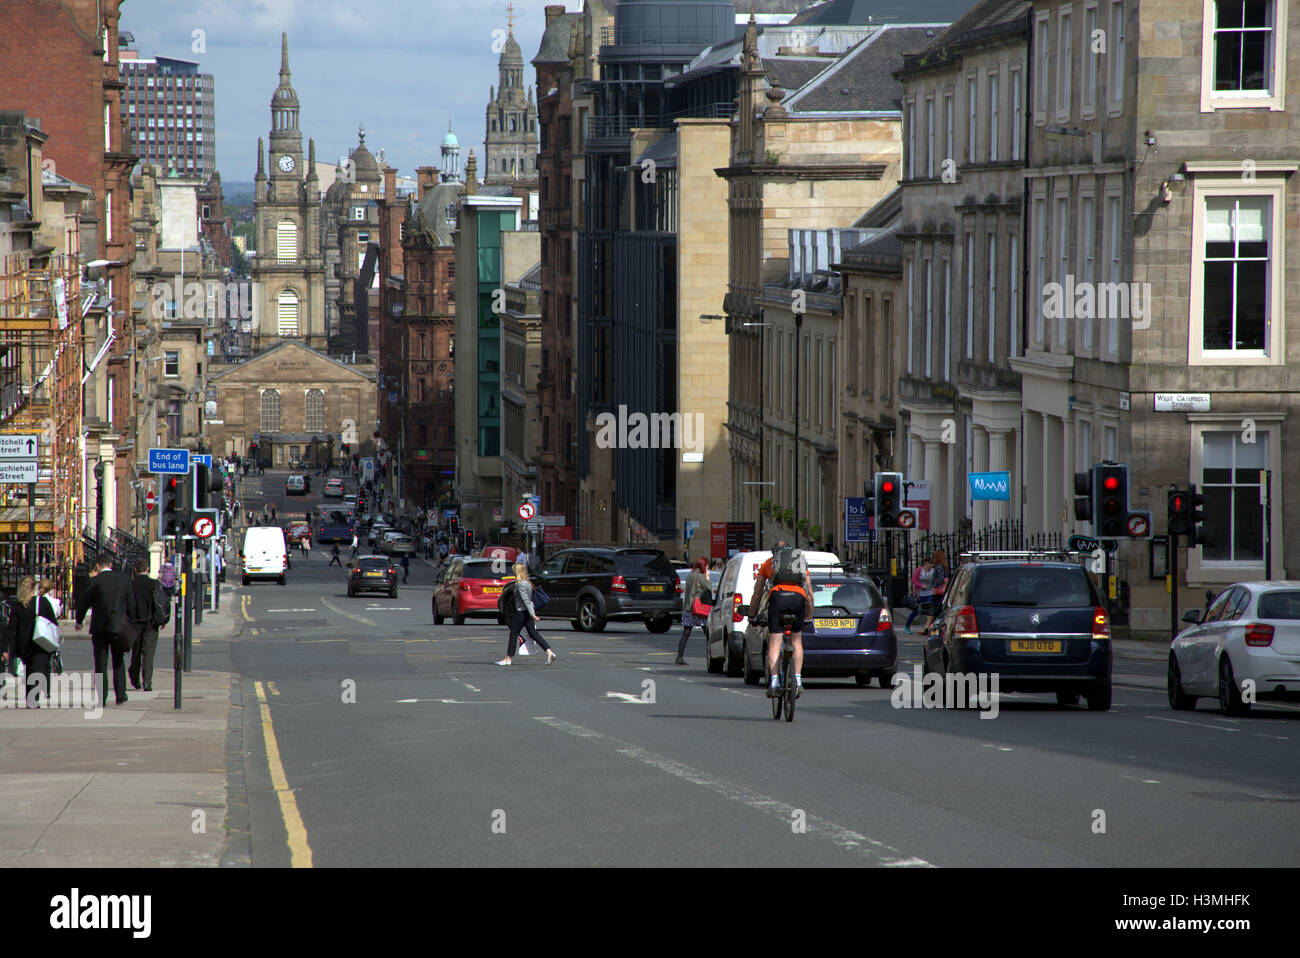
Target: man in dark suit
<point>106,591</point>
<point>142,652</point>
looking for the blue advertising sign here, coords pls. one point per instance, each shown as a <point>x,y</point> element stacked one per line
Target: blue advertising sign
<point>990,485</point>
<point>169,461</point>
<point>857,521</point>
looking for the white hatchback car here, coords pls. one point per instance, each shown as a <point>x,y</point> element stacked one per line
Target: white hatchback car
<point>725,628</point>
<point>1246,648</point>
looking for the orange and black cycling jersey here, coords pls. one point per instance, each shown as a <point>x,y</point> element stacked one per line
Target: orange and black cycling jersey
<point>765,570</point>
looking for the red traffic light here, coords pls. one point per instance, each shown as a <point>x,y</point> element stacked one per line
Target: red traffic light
<point>886,486</point>
<point>1110,482</point>
<point>1178,504</point>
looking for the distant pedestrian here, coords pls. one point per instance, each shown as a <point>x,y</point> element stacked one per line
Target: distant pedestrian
<point>167,576</point>
<point>146,640</point>
<point>18,645</point>
<point>524,617</point>
<point>697,583</point>
<point>273,514</point>
<point>355,545</point>
<point>334,557</point>
<point>306,546</point>
<point>406,567</point>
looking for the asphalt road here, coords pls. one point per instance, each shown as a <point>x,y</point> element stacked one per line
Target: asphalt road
<point>445,759</point>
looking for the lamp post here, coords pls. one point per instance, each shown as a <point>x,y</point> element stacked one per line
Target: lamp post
<point>99,507</point>
<point>762,450</point>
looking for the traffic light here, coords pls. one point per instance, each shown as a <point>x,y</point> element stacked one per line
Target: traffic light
<point>454,525</point>
<point>1111,489</point>
<point>1186,514</point>
<point>890,513</point>
<point>208,480</point>
<point>169,508</point>
<point>869,499</point>
<point>469,542</point>
<point>1083,496</point>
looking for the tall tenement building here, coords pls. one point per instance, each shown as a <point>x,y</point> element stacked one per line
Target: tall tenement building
<point>170,109</point>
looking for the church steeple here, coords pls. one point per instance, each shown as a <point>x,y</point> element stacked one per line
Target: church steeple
<point>286,138</point>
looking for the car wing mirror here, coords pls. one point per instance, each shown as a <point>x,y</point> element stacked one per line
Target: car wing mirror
<point>1192,616</point>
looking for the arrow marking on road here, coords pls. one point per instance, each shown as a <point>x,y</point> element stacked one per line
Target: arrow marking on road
<point>878,852</point>
<point>451,702</point>
<point>355,618</point>
<point>625,697</point>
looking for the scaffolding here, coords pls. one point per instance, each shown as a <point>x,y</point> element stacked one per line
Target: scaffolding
<point>42,356</point>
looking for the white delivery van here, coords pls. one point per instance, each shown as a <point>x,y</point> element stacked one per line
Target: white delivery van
<point>725,629</point>
<point>264,555</point>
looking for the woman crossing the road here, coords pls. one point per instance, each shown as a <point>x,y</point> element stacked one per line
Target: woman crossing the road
<point>696,584</point>
<point>524,616</point>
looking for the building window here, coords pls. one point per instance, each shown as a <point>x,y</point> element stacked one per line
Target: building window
<point>947,127</point>
<point>910,122</point>
<point>991,272</point>
<point>911,313</point>
<point>1230,481</point>
<point>1040,268</point>
<point>286,240</point>
<point>1087,261</point>
<point>1235,279</point>
<point>1062,263</point>
<point>1090,60</point>
<point>1064,63</point>
<point>927,343</point>
<point>270,410</point>
<point>1116,51</point>
<point>1243,57</point>
<point>171,364</point>
<point>1114,209</point>
<point>993,118</point>
<point>1044,49</point>
<point>971,122</point>
<point>929,139</point>
<point>315,406</point>
<point>945,337</point>
<point>1017,114</point>
<point>969,266</point>
<point>287,313</point>
<point>1013,302</point>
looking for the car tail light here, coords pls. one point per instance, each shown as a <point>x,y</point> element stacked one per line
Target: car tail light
<point>464,586</point>
<point>965,625</point>
<point>1259,635</point>
<point>736,614</point>
<point>618,585</point>
<point>885,622</point>
<point>1100,623</point>
<point>678,587</point>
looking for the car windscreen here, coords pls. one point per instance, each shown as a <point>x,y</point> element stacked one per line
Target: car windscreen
<point>1026,586</point>
<point>482,569</point>
<point>1279,605</point>
<point>372,564</point>
<point>852,598</point>
<point>644,563</point>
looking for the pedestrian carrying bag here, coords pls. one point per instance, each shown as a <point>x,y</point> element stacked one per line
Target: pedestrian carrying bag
<point>789,567</point>
<point>160,612</point>
<point>46,635</point>
<point>540,598</point>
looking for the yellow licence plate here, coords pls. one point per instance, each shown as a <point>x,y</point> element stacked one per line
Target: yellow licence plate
<point>835,623</point>
<point>491,590</point>
<point>652,588</point>
<point>1035,645</point>
<point>375,575</point>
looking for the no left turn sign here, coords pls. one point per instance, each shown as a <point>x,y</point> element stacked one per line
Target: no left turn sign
<point>527,510</point>
<point>204,527</point>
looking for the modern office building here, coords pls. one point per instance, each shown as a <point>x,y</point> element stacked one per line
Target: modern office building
<point>170,110</point>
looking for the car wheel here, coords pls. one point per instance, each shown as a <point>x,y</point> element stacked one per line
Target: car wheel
<point>351,594</point>
<point>730,666</point>
<point>437,616</point>
<point>886,679</point>
<point>863,679</point>
<point>280,580</point>
<point>1099,696</point>
<point>590,617</point>
<point>1064,699</point>
<point>577,625</point>
<point>752,676</point>
<point>501,619</point>
<point>1230,700</point>
<point>246,580</point>
<point>1178,699</point>
<point>393,594</point>
<point>714,666</point>
<point>659,624</point>
<point>458,619</point>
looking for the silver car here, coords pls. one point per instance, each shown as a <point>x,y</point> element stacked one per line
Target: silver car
<point>1245,649</point>
<point>396,544</point>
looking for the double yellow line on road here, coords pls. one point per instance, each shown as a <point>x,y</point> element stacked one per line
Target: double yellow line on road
<point>299,849</point>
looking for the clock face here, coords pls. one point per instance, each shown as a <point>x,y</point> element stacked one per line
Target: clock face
<point>286,163</point>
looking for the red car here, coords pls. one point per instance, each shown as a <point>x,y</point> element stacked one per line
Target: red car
<point>469,587</point>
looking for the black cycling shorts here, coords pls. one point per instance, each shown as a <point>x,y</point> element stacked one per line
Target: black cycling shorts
<point>780,603</point>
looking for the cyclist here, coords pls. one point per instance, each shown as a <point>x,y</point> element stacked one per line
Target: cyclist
<point>786,574</point>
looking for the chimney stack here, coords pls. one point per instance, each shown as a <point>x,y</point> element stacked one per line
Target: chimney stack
<point>427,178</point>
<point>390,185</point>
<point>553,10</point>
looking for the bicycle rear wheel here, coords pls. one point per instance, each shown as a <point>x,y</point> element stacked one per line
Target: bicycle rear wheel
<point>776,701</point>
<point>787,684</point>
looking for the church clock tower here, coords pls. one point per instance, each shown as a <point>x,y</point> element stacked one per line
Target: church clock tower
<point>289,269</point>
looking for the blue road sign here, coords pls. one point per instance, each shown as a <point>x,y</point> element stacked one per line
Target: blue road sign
<point>165,461</point>
<point>203,458</point>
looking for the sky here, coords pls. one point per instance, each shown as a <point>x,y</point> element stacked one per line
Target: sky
<point>400,67</point>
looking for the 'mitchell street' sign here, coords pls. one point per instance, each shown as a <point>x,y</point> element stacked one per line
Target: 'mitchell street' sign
<point>1182,402</point>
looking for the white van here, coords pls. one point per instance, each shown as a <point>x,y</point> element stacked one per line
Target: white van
<point>725,629</point>
<point>264,555</point>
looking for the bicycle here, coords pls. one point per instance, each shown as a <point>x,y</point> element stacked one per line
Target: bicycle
<point>783,701</point>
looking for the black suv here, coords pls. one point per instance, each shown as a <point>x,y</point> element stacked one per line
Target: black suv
<point>1039,622</point>
<point>593,586</point>
<point>373,574</point>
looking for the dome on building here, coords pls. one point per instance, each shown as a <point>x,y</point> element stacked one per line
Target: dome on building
<point>364,164</point>
<point>450,140</point>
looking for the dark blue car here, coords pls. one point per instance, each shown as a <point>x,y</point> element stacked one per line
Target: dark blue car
<point>851,633</point>
<point>1040,624</point>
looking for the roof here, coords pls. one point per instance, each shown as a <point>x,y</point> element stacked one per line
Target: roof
<point>878,11</point>
<point>663,153</point>
<point>863,79</point>
<point>289,344</point>
<point>554,47</point>
<point>981,19</point>
<point>886,210</point>
<point>430,213</point>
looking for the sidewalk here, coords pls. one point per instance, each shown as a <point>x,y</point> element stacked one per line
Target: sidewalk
<point>135,785</point>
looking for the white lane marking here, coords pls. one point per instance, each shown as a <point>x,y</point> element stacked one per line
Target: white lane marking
<point>1217,728</point>
<point>625,697</point>
<point>387,608</point>
<point>355,618</point>
<point>1000,748</point>
<point>288,610</point>
<point>452,702</point>
<point>878,852</point>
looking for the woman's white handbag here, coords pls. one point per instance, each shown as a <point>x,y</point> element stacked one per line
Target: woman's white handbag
<point>46,634</point>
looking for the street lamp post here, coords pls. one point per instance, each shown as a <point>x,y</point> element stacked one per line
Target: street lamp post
<point>798,340</point>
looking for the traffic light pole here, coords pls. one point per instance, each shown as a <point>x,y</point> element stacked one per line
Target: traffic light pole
<point>188,592</point>
<point>1268,525</point>
<point>1172,546</point>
